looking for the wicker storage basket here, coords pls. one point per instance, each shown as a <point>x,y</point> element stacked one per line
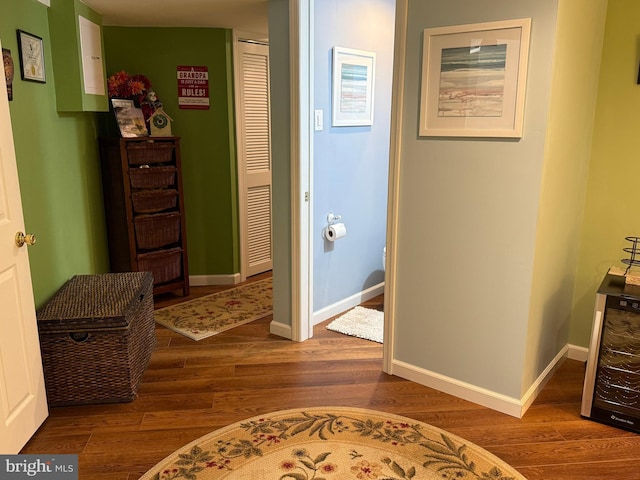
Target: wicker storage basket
<point>153,201</point>
<point>96,335</point>
<point>152,177</point>
<point>150,153</point>
<point>165,265</point>
<point>158,230</point>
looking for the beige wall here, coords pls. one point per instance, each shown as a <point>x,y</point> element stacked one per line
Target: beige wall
<point>612,209</point>
<point>580,31</point>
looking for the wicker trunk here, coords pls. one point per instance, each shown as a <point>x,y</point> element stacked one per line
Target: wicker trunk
<point>96,335</point>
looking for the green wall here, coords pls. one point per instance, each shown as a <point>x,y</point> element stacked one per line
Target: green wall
<point>58,161</point>
<point>208,148</point>
<point>58,166</point>
<point>64,25</point>
<point>612,203</point>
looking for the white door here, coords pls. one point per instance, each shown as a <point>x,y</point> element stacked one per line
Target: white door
<point>23,402</point>
<point>254,157</point>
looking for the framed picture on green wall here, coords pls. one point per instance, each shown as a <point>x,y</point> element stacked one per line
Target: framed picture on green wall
<point>31,51</point>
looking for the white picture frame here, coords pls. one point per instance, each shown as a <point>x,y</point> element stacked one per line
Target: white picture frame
<point>353,87</point>
<point>474,79</point>
<point>91,52</point>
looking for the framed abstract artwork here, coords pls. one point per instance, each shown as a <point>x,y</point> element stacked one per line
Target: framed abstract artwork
<point>353,87</point>
<point>474,79</point>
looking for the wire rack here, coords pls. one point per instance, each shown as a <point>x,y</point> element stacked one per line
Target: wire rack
<point>634,253</point>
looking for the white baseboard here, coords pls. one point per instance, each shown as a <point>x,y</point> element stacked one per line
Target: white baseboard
<point>283,330</point>
<point>457,388</point>
<point>206,280</point>
<point>344,305</point>
<point>542,380</point>
<point>481,396</point>
<point>578,353</point>
<point>280,329</point>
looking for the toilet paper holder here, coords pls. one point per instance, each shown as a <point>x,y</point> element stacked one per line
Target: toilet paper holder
<point>331,218</point>
<point>334,229</point>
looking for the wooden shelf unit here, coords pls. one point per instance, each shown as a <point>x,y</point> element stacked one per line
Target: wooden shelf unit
<point>144,207</point>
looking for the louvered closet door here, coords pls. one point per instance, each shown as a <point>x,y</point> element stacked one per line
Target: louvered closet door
<point>254,153</point>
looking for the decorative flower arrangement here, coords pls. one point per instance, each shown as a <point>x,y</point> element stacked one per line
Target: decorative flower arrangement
<point>123,85</point>
<point>134,87</point>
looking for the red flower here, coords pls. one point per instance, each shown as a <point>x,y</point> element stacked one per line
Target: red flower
<point>123,85</point>
<point>328,468</point>
<point>146,84</point>
<point>287,465</point>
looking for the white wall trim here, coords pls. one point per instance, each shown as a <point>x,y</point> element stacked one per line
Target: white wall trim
<point>481,396</point>
<point>206,280</point>
<point>347,303</point>
<point>466,391</point>
<point>45,2</point>
<point>301,91</point>
<point>393,189</point>
<point>577,353</point>
<point>542,380</point>
<point>240,171</point>
<point>299,288</point>
<point>280,329</point>
<point>241,35</point>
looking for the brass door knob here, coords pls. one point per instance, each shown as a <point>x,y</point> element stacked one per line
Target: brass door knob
<point>21,239</point>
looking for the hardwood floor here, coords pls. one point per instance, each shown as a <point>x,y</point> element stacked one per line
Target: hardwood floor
<point>191,388</point>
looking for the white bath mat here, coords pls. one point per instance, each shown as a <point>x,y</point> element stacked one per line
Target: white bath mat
<point>360,322</point>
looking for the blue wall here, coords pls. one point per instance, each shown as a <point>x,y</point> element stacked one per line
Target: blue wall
<point>351,163</point>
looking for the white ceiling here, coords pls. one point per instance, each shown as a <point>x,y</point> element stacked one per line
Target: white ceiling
<point>242,15</point>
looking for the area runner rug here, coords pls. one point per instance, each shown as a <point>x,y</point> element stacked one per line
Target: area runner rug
<point>331,443</point>
<point>215,313</point>
<point>360,322</point>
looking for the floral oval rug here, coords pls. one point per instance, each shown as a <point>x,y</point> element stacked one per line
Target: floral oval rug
<point>331,443</point>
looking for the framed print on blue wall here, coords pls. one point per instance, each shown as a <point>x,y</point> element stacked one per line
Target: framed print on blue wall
<point>474,78</point>
<point>353,87</point>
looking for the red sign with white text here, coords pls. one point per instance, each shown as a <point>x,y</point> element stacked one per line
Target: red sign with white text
<point>193,87</point>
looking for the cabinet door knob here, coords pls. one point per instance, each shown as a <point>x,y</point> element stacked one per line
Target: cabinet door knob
<point>22,238</point>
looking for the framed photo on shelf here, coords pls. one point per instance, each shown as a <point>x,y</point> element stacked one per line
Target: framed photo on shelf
<point>474,79</point>
<point>353,87</point>
<point>31,51</point>
<point>130,119</point>
<point>122,103</point>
